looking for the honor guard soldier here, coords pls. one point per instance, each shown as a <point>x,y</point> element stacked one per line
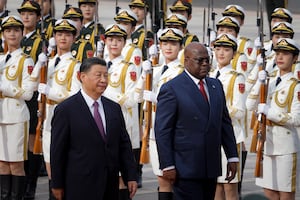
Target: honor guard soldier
<point>88,8</point>
<point>245,45</point>
<point>15,89</point>
<point>230,25</point>
<point>278,14</point>
<point>170,45</point>
<point>184,8</point>
<point>62,80</point>
<point>225,47</point>
<point>177,21</point>
<point>3,13</point>
<point>139,38</point>
<point>279,30</point>
<point>82,48</point>
<point>280,169</point>
<point>47,18</point>
<point>31,44</point>
<point>122,78</point>
<point>131,53</point>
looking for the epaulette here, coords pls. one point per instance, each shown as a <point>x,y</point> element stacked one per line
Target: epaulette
<point>141,30</point>
<point>133,45</point>
<point>234,73</point>
<point>128,63</point>
<point>74,59</point>
<point>244,38</point>
<point>294,79</point>
<point>180,66</point>
<point>25,54</point>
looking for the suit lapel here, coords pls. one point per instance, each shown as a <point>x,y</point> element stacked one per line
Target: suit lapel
<point>86,114</point>
<point>194,91</point>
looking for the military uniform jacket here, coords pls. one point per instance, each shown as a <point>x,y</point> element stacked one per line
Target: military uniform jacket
<point>122,82</point>
<point>87,33</point>
<point>62,80</point>
<point>188,38</point>
<point>234,89</point>
<point>15,78</point>
<point>82,49</point>
<point>283,117</point>
<point>32,45</point>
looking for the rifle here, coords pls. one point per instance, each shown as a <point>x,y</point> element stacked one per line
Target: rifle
<point>144,157</point>
<point>67,5</point>
<point>6,12</point>
<point>261,133</point>
<point>37,148</point>
<point>96,34</point>
<point>117,7</point>
<point>211,16</point>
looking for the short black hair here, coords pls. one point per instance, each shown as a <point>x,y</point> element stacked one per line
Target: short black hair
<point>89,62</point>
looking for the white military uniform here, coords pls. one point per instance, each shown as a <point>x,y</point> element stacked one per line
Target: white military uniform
<point>281,148</point>
<point>122,82</point>
<point>63,82</point>
<point>14,117</point>
<point>174,69</point>
<point>234,89</point>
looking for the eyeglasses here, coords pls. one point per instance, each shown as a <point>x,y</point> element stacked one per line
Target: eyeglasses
<point>201,60</point>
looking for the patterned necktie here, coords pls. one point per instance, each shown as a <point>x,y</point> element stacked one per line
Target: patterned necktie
<point>278,80</point>
<point>164,69</point>
<point>7,58</point>
<point>57,60</point>
<point>202,90</point>
<point>98,120</point>
<point>218,74</point>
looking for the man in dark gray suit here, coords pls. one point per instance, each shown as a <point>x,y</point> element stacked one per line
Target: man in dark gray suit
<point>89,142</point>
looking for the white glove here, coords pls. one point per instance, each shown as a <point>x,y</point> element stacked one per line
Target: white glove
<point>262,75</point>
<point>100,46</point>
<point>257,43</point>
<point>259,60</point>
<point>42,58</point>
<point>153,50</point>
<point>52,43</point>
<point>146,67</point>
<point>263,108</point>
<point>212,36</point>
<point>43,88</point>
<point>149,96</point>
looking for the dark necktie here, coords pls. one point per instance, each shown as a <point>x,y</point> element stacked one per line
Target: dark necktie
<point>218,74</point>
<point>109,63</point>
<point>164,69</point>
<point>7,57</point>
<point>278,80</point>
<point>57,60</point>
<point>98,120</point>
<point>202,90</point>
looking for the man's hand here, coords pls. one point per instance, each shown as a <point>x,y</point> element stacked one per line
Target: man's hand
<point>132,188</point>
<point>58,193</point>
<point>231,171</point>
<point>170,175</point>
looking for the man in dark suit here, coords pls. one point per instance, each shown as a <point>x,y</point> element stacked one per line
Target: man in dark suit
<point>191,124</point>
<point>87,154</point>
